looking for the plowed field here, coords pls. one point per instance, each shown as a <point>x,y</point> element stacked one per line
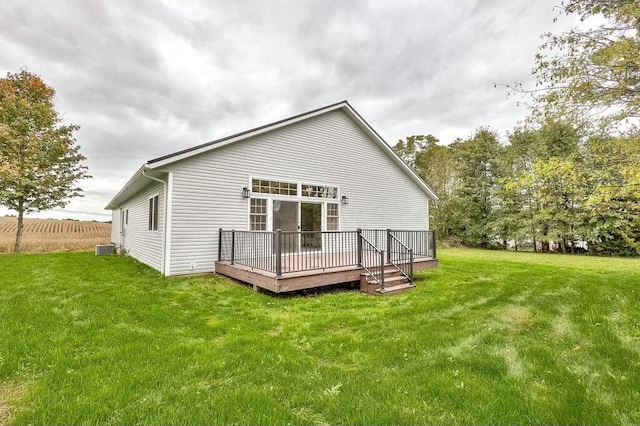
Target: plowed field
<point>47,235</point>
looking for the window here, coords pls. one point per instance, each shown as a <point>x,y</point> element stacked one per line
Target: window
<point>258,214</point>
<point>261,186</point>
<point>319,191</point>
<point>153,213</point>
<point>332,217</point>
<point>274,187</point>
<point>125,217</point>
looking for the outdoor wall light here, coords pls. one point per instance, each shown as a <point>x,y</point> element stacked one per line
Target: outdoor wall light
<point>246,193</point>
<point>345,199</point>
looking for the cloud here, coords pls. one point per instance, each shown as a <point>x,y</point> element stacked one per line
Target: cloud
<point>147,78</point>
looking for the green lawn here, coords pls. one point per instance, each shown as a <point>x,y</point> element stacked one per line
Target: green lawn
<point>489,337</point>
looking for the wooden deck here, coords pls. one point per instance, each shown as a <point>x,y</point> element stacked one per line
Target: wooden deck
<point>300,280</point>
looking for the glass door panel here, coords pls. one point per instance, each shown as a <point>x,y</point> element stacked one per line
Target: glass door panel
<point>311,220</point>
<point>285,218</point>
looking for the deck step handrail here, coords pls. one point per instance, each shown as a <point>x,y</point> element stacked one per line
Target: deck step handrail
<point>400,256</point>
<point>422,242</point>
<point>372,259</point>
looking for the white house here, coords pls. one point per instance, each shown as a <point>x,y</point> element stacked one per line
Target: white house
<point>324,170</point>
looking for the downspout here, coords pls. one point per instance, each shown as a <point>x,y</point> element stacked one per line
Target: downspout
<point>164,224</point>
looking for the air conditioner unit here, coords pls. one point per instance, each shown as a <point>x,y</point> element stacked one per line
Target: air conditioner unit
<point>105,249</point>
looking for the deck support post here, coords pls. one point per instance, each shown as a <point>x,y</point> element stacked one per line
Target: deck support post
<point>278,244</point>
<point>434,244</point>
<point>233,246</point>
<point>411,265</point>
<point>359,247</point>
<point>219,244</point>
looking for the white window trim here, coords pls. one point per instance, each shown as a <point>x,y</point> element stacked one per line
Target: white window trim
<point>296,198</point>
<point>249,214</point>
<point>124,217</point>
<point>299,190</point>
<point>250,185</point>
<point>325,216</point>
<point>157,227</point>
<point>319,184</point>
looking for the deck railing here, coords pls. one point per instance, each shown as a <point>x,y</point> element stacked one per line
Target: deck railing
<point>377,237</point>
<point>253,249</point>
<point>283,252</point>
<point>307,250</point>
<point>372,260</point>
<point>423,243</point>
<point>289,251</point>
<point>400,256</point>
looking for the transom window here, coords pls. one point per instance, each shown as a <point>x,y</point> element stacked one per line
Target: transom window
<point>276,187</point>
<point>319,191</point>
<point>258,214</point>
<point>262,186</point>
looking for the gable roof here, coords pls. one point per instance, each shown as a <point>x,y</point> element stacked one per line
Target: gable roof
<point>246,134</point>
<point>134,183</point>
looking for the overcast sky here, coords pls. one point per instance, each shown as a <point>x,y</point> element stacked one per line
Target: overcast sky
<point>147,78</point>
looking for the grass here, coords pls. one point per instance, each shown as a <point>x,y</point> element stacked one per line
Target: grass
<point>489,337</point>
<point>51,235</point>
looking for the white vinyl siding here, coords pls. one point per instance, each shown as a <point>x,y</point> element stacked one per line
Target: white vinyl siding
<point>329,148</point>
<point>137,239</point>
<point>116,215</point>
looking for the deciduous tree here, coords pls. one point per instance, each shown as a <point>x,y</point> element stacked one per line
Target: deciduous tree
<point>613,201</point>
<point>592,72</point>
<point>478,170</point>
<point>40,162</point>
<point>436,164</point>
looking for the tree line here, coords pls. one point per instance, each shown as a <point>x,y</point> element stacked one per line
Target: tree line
<point>571,174</point>
<point>547,183</point>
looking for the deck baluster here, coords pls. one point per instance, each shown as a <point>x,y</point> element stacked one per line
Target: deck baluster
<point>233,246</point>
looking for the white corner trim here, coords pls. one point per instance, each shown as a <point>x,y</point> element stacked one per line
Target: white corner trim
<point>168,208</point>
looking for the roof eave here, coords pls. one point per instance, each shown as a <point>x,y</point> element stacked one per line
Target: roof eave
<point>385,146</point>
<point>182,155</point>
<point>116,200</point>
<point>219,143</point>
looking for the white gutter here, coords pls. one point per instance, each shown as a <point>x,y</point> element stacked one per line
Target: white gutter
<point>137,175</point>
<point>165,271</point>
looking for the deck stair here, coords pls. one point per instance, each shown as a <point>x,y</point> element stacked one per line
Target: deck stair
<point>394,282</point>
